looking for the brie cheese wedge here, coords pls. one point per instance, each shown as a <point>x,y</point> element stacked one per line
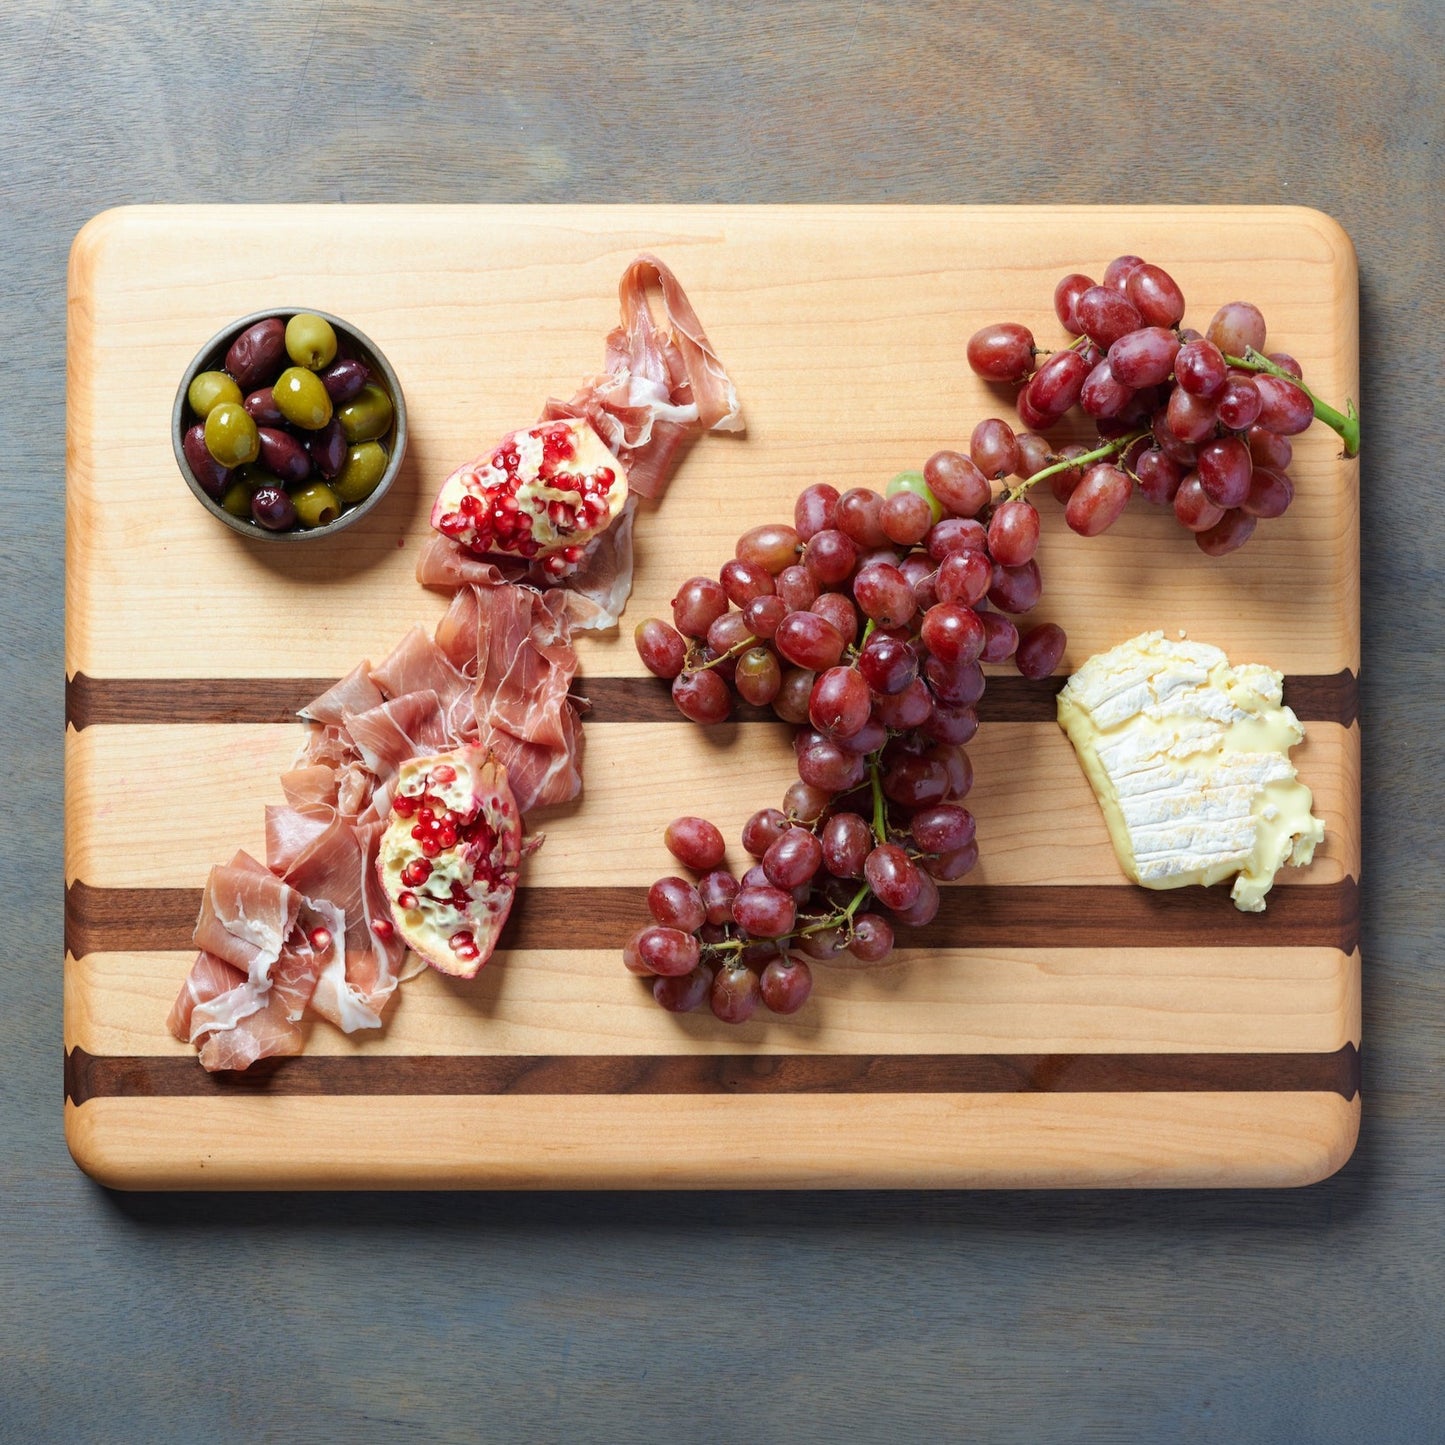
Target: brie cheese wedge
<point>1189,758</point>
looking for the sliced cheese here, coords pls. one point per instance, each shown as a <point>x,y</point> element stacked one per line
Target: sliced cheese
<point>1189,758</point>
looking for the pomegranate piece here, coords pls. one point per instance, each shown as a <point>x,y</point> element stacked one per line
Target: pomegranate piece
<point>449,857</point>
<point>543,491</point>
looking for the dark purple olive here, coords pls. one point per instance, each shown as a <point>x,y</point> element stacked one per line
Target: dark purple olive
<point>283,454</point>
<point>344,379</point>
<point>263,409</point>
<point>273,509</point>
<point>258,354</point>
<point>213,477</point>
<point>328,448</point>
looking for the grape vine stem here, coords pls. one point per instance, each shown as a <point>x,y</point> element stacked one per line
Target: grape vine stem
<point>736,650</point>
<point>1099,454</point>
<point>1346,424</point>
<point>880,808</point>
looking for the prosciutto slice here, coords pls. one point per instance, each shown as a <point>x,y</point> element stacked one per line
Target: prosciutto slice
<point>661,388</point>
<point>386,736</point>
<point>356,692</point>
<point>326,856</point>
<point>246,915</point>
<point>256,971</point>
<point>516,644</point>
<point>202,1016</point>
<point>210,978</point>
<point>417,664</point>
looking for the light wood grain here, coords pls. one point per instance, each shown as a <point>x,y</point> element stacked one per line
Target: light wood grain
<point>844,330</point>
<point>917,1141</point>
<point>1037,817</point>
<point>959,1001</point>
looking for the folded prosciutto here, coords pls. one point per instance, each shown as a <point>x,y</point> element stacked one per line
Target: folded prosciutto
<point>546,502</point>
<point>517,644</point>
<point>263,947</point>
<point>660,390</point>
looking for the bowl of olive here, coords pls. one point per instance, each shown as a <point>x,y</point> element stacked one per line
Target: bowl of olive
<point>289,424</point>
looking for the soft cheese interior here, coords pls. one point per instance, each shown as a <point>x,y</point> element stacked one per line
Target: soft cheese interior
<point>1189,758</point>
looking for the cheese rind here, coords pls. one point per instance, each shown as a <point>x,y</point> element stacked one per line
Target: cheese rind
<point>1189,758</point>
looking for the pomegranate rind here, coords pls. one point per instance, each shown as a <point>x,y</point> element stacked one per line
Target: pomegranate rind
<point>543,491</point>
<point>472,788</point>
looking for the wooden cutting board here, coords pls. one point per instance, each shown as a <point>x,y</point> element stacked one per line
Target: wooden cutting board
<point>1054,1026</point>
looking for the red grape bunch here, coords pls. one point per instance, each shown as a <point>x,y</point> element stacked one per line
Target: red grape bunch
<point>864,624</point>
<point>1198,422</point>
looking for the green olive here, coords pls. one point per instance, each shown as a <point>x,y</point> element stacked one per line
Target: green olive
<point>316,504</point>
<point>310,341</point>
<point>208,389</point>
<point>237,500</point>
<point>913,482</point>
<point>301,397</point>
<point>253,476</point>
<point>360,472</point>
<point>368,417</point>
<point>231,435</point>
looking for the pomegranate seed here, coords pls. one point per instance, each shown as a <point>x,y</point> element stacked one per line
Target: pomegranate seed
<point>447,836</point>
<point>416,872</point>
<point>320,939</point>
<point>403,806</point>
<point>382,927</point>
<point>443,773</point>
<point>406,899</point>
<point>461,939</point>
<point>430,847</point>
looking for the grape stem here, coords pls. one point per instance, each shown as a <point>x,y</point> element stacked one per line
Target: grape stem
<point>880,808</point>
<point>1347,426</point>
<point>1099,454</point>
<point>838,919</point>
<point>842,918</point>
<point>1077,344</point>
<point>734,651</point>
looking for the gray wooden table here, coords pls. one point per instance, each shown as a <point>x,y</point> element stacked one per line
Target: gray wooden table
<point>1314,1315</point>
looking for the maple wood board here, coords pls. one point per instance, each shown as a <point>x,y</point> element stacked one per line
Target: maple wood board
<point>1054,1026</point>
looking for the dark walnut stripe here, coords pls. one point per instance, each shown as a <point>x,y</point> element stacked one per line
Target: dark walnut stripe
<point>112,920</point>
<point>89,1077</point>
<point>90,701</point>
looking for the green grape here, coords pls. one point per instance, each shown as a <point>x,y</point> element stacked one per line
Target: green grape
<point>913,482</point>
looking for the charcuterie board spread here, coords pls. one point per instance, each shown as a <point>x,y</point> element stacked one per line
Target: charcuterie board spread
<point>1054,1024</point>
